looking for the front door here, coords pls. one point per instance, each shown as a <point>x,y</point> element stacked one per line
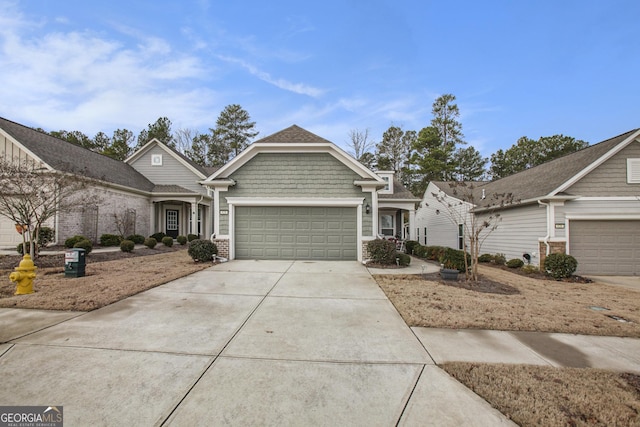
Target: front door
<point>172,223</point>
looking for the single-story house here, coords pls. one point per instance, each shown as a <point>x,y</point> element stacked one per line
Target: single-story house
<point>291,195</point>
<point>586,204</point>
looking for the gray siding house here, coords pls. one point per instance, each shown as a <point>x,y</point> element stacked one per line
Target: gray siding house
<point>291,195</point>
<point>586,204</point>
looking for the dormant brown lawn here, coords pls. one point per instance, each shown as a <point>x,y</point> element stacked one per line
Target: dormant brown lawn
<point>105,282</point>
<point>540,305</point>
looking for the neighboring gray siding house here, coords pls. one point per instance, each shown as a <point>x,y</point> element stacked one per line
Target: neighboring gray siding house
<point>586,204</point>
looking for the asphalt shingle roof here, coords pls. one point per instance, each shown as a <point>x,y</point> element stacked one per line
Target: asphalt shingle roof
<point>540,181</point>
<point>293,134</point>
<point>399,192</point>
<point>163,188</point>
<point>66,157</point>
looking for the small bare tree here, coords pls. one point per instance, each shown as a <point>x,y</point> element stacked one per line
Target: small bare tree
<point>464,198</point>
<point>31,195</point>
<point>125,222</point>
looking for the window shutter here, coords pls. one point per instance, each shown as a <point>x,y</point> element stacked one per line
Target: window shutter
<point>633,171</point>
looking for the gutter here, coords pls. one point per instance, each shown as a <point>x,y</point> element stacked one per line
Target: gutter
<point>546,238</point>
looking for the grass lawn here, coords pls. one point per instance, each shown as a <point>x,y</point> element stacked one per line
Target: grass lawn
<point>531,395</point>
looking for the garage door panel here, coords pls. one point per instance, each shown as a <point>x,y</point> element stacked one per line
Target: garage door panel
<point>295,233</point>
<point>606,247</point>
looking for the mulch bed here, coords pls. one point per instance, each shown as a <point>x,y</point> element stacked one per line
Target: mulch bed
<point>484,284</point>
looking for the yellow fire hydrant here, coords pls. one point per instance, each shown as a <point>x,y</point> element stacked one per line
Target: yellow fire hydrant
<point>24,275</point>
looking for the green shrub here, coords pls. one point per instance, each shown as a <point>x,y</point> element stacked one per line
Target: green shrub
<point>499,259</point>
<point>158,236</point>
<point>530,269</point>
<point>202,250</point>
<point>167,241</point>
<point>192,237</point>
<point>110,240</point>
<point>71,241</point>
<point>382,251</point>
<point>127,246</point>
<point>138,239</point>
<point>420,251</point>
<point>28,244</point>
<point>485,258</point>
<point>410,245</point>
<point>150,242</point>
<point>515,263</point>
<point>434,253</point>
<point>454,259</point>
<point>84,244</point>
<point>182,240</point>
<point>46,236</point>
<point>403,259</point>
<point>560,266</point>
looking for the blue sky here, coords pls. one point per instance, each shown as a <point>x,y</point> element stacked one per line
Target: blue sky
<point>517,68</point>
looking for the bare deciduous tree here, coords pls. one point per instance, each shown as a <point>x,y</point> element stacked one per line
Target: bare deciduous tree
<point>359,143</point>
<point>467,197</point>
<point>31,195</point>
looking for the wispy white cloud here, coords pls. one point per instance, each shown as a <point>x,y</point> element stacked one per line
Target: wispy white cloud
<point>299,88</point>
<point>83,80</point>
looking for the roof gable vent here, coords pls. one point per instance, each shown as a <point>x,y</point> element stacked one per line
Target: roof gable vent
<point>633,171</point>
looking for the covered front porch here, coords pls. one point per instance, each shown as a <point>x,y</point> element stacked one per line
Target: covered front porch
<point>397,220</point>
<point>179,215</point>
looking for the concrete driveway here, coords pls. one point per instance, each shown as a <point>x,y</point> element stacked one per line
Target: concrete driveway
<point>242,343</point>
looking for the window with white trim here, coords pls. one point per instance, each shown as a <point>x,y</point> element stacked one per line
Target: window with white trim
<point>461,236</point>
<point>386,187</point>
<point>633,171</point>
<point>386,225</point>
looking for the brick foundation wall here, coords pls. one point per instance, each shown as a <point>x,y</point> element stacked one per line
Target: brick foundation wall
<point>365,251</point>
<point>554,248</point>
<point>223,247</point>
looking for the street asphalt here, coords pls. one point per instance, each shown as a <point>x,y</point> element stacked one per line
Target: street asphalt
<point>266,343</point>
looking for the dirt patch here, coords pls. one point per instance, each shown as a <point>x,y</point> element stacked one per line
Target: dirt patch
<point>484,284</point>
<point>538,305</point>
<point>105,282</point>
<point>547,396</point>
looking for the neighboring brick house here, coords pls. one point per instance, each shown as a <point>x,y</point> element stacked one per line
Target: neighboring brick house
<point>291,195</point>
<point>586,204</point>
<point>121,188</point>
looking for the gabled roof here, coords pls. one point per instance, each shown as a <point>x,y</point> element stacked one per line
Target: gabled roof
<point>293,139</point>
<point>292,134</point>
<point>399,193</point>
<point>201,171</point>
<point>64,156</point>
<point>553,178</point>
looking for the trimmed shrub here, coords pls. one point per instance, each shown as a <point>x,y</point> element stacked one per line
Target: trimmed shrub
<point>46,236</point>
<point>167,241</point>
<point>84,244</point>
<point>420,251</point>
<point>530,269</point>
<point>138,239</point>
<point>560,266</point>
<point>454,259</point>
<point>28,244</point>
<point>485,258</point>
<point>515,263</point>
<point>192,237</point>
<point>110,240</point>
<point>182,240</point>
<point>71,241</point>
<point>202,250</point>
<point>499,259</point>
<point>434,253</point>
<point>150,242</point>
<point>127,246</point>
<point>403,259</point>
<point>382,251</point>
<point>410,245</point>
<point>158,236</point>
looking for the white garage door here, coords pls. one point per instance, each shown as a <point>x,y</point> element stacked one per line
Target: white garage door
<point>9,237</point>
<point>290,232</point>
<point>606,247</point>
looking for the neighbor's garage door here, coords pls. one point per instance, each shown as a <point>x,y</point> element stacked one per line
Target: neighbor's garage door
<point>9,237</point>
<point>606,247</point>
<point>295,233</point>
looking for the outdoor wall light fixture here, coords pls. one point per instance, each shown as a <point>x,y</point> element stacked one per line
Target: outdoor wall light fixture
<point>367,208</point>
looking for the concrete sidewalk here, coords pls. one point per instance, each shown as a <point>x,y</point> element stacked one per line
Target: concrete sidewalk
<point>241,343</point>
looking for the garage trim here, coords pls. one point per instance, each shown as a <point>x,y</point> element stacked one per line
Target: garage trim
<point>288,201</point>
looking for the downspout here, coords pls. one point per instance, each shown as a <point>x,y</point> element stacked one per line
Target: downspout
<point>546,238</point>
